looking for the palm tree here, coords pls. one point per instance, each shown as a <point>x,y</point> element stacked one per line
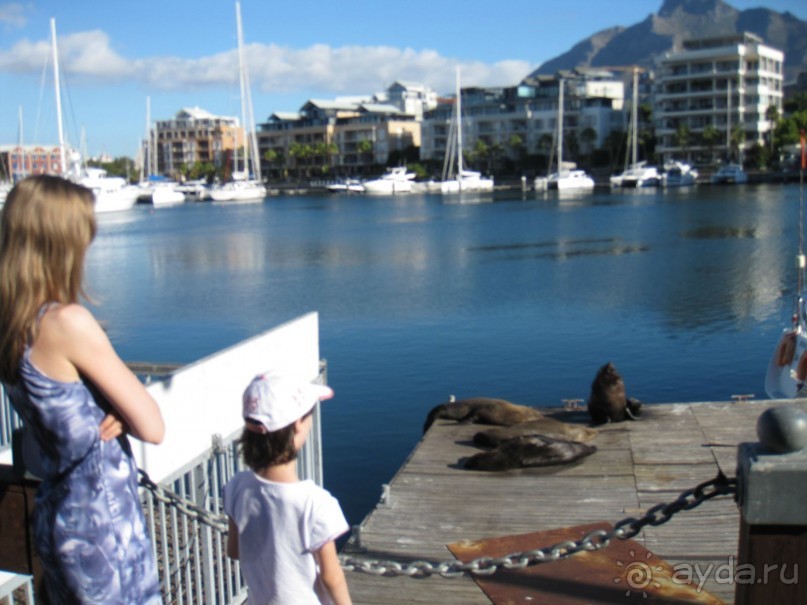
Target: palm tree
<point>682,136</point>
<point>772,115</point>
<point>710,136</point>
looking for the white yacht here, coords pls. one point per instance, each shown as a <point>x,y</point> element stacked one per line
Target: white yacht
<point>112,193</point>
<point>568,177</point>
<point>394,180</point>
<point>678,174</point>
<point>346,186</point>
<point>166,194</point>
<point>566,180</point>
<point>729,174</point>
<point>465,180</point>
<point>637,175</point>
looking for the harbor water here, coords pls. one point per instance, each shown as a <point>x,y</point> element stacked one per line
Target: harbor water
<point>516,296</point>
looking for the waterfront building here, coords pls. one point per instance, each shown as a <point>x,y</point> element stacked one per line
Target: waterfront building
<point>514,122</point>
<point>195,135</point>
<point>18,161</point>
<point>349,136</point>
<point>725,84</point>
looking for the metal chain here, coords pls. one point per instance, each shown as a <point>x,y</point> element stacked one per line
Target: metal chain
<point>625,529</point>
<point>595,540</point>
<point>186,507</point>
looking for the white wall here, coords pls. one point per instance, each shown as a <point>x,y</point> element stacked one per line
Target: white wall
<point>203,399</point>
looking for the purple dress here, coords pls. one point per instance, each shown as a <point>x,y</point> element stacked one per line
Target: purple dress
<point>89,528</point>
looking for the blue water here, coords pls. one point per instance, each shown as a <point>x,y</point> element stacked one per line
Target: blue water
<point>521,298</point>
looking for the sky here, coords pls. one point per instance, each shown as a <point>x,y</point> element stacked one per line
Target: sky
<point>118,58</point>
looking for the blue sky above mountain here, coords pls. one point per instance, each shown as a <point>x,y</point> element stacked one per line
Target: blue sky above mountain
<point>182,53</point>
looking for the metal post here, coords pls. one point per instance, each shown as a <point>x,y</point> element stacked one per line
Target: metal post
<point>772,490</point>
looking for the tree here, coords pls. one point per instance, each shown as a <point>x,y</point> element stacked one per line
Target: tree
<point>736,140</point>
<point>588,137</point>
<point>301,154</point>
<point>519,150</point>
<point>772,115</point>
<point>682,136</point>
<point>710,136</point>
<point>365,149</point>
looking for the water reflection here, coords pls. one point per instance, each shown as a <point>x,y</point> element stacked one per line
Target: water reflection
<point>522,299</point>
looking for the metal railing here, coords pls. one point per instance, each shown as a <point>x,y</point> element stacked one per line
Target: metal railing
<point>191,555</point>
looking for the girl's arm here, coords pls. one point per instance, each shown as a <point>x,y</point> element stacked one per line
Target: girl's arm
<point>232,539</point>
<point>332,574</point>
<point>71,339</point>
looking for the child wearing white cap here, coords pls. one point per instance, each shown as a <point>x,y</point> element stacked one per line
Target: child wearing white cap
<point>280,528</point>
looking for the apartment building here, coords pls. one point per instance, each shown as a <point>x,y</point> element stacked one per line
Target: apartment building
<point>725,84</point>
<point>195,135</point>
<point>18,161</point>
<point>522,119</point>
<point>346,136</point>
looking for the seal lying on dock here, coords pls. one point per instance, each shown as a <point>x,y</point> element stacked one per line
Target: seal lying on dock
<point>608,402</point>
<point>535,450</point>
<point>548,427</point>
<point>483,410</point>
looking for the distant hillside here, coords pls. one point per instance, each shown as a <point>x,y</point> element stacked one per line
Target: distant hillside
<point>680,20</point>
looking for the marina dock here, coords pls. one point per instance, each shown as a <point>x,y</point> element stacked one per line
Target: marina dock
<point>433,502</point>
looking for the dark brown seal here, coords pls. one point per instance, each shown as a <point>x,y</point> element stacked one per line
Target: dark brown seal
<point>548,427</point>
<point>535,450</point>
<point>483,410</point>
<point>608,402</point>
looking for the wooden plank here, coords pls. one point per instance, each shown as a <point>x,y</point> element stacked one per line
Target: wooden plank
<point>433,501</point>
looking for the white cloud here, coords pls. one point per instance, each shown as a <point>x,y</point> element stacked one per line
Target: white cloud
<point>320,69</point>
<point>13,14</point>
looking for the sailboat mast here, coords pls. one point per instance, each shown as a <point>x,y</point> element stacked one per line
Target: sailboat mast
<point>634,119</point>
<point>459,126</point>
<point>560,126</point>
<point>24,171</point>
<point>62,154</point>
<point>728,120</point>
<point>243,84</point>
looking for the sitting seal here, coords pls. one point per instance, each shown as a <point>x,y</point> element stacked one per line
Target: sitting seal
<point>548,427</point>
<point>607,402</point>
<point>483,410</point>
<point>535,450</point>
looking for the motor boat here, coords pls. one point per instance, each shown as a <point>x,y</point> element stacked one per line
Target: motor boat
<point>678,174</point>
<point>637,175</point>
<point>394,180</point>
<point>729,174</point>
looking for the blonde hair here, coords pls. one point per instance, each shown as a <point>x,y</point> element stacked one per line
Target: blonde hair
<point>46,226</point>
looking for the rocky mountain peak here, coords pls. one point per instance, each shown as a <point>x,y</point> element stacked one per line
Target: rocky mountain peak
<point>692,7</point>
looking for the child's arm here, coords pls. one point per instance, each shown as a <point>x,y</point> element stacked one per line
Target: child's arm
<point>332,575</point>
<point>232,539</point>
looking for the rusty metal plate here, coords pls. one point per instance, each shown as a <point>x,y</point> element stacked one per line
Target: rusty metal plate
<point>622,572</point>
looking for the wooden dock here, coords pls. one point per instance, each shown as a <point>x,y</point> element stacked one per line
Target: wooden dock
<point>433,502</point>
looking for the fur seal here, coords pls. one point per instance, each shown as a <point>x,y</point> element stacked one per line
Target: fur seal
<point>607,402</point>
<point>483,410</point>
<point>535,450</point>
<point>548,427</point>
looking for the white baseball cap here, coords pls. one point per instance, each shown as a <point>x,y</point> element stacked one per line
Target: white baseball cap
<point>273,401</point>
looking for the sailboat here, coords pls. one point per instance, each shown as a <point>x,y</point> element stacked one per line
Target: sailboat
<point>787,370</point>
<point>465,180</point>
<point>159,190</point>
<point>636,174</point>
<point>112,194</point>
<point>568,177</point>
<point>729,173</point>
<point>242,188</point>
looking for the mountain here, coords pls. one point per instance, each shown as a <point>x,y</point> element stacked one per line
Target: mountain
<point>679,20</point>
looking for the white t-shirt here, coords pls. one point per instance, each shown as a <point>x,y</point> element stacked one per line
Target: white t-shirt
<point>280,525</point>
